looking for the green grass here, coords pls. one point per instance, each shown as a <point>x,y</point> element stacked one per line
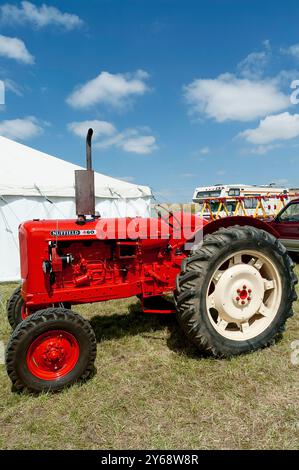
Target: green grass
<point>152,390</point>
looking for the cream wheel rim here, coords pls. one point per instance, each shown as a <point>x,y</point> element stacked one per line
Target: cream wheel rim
<point>244,295</point>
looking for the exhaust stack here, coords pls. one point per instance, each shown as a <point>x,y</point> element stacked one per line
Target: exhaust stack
<point>84,186</point>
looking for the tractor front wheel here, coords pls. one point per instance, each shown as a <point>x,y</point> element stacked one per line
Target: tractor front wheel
<point>16,310</point>
<point>235,291</point>
<point>50,350</point>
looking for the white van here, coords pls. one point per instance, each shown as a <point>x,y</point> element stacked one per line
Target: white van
<point>271,198</point>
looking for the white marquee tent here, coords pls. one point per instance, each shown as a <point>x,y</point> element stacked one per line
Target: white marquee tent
<point>36,185</point>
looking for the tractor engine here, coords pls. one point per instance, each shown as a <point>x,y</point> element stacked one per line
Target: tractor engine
<point>71,263</point>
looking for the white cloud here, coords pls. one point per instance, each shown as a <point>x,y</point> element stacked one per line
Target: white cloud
<point>101,128</point>
<point>262,149</point>
<point>142,144</point>
<point>130,140</point>
<point>20,129</point>
<point>253,66</point>
<point>107,136</point>
<point>285,77</point>
<point>14,48</point>
<point>282,126</point>
<point>292,50</point>
<point>42,16</point>
<point>110,89</point>
<point>204,150</point>
<point>228,98</point>
<point>266,43</point>
<point>14,87</point>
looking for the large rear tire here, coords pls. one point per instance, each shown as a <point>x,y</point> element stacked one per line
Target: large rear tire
<point>235,291</point>
<point>50,350</point>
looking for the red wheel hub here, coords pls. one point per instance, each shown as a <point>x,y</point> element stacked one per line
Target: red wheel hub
<point>52,355</point>
<point>243,294</point>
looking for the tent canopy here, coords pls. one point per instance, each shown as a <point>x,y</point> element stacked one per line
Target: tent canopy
<point>27,172</point>
<point>36,185</point>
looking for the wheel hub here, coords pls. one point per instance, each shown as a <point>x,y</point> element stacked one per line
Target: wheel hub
<point>53,354</point>
<point>244,295</point>
<point>239,293</point>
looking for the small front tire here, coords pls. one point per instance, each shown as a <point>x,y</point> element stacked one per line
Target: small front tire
<point>50,350</point>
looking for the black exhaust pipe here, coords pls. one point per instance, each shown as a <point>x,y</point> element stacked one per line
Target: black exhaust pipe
<point>84,186</point>
<point>88,149</point>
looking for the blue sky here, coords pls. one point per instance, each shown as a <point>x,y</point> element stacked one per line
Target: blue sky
<point>181,93</point>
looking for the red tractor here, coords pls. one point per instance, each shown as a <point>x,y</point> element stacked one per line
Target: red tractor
<point>232,282</point>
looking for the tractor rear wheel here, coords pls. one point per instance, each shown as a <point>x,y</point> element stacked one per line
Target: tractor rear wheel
<point>50,350</point>
<point>15,308</point>
<point>235,291</point>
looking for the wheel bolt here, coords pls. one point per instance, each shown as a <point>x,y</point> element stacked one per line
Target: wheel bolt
<point>244,287</point>
<point>238,290</point>
<point>248,299</point>
<point>249,291</point>
<point>237,298</point>
<point>243,302</point>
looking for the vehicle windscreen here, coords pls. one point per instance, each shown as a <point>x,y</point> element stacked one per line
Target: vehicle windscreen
<point>207,194</point>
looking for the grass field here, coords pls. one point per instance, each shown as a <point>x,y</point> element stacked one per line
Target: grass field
<point>153,391</point>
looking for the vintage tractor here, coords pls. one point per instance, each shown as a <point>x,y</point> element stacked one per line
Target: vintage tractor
<point>232,282</point>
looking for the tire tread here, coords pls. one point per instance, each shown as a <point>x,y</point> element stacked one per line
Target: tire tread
<point>193,273</point>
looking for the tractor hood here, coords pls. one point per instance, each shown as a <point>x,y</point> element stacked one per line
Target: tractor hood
<point>179,225</point>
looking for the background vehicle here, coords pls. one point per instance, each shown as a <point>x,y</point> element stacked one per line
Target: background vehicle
<point>232,193</point>
<point>231,279</point>
<point>286,224</point>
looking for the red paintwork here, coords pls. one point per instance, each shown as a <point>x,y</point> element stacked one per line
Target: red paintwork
<point>108,258</point>
<point>106,263</point>
<point>288,230</point>
<point>159,310</point>
<point>240,220</point>
<point>24,312</point>
<point>52,355</point>
<point>243,294</point>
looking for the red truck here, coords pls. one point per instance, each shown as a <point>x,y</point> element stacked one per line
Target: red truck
<point>286,226</point>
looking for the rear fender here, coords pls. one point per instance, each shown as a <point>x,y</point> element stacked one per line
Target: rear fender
<point>239,220</point>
